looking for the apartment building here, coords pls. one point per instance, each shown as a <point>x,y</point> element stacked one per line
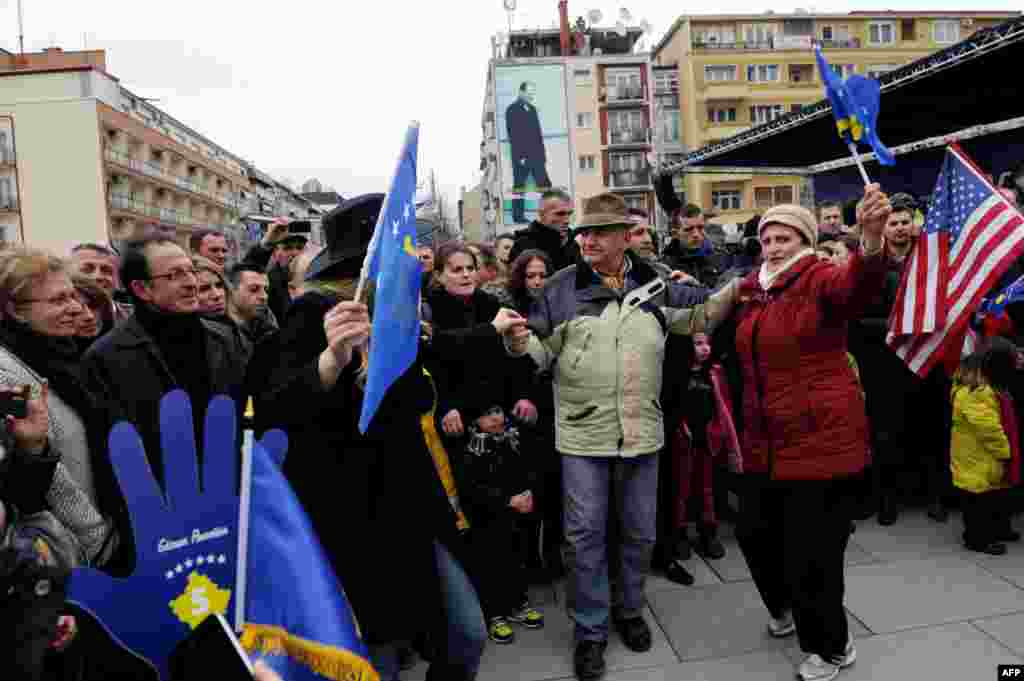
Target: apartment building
<point>738,71</point>
<point>97,163</point>
<point>593,104</point>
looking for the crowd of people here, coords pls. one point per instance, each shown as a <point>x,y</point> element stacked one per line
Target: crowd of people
<point>583,401</point>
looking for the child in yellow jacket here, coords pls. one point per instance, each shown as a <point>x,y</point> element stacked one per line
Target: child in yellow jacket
<point>984,452</point>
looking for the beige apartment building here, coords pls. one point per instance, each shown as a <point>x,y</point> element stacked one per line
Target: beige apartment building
<point>96,163</point>
<point>734,72</point>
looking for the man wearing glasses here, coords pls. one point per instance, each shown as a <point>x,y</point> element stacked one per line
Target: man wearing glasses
<point>164,346</point>
<point>550,232</point>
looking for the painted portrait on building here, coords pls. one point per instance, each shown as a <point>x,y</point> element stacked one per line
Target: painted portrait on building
<point>534,136</point>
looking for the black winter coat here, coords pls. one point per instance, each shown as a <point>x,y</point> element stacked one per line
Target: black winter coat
<point>547,239</point>
<point>475,384</point>
<point>126,370</point>
<point>278,297</point>
<point>488,479</point>
<point>375,500</point>
<point>705,267</point>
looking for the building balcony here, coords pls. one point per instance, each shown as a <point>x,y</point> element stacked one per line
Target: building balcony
<point>617,94</point>
<point>128,204</point>
<point>848,44</point>
<point>743,45</point>
<point>6,156</point>
<point>154,170</point>
<point>8,204</point>
<point>629,179</point>
<point>629,137</point>
<point>728,90</point>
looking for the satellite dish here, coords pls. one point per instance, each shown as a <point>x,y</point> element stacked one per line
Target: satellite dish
<point>595,16</point>
<point>510,5</point>
<point>625,15</point>
<point>646,27</point>
<point>620,28</point>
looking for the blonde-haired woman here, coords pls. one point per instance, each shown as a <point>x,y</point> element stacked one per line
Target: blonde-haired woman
<point>389,494</point>
<point>55,456</point>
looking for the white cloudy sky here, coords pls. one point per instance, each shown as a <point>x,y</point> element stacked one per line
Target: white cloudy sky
<point>321,88</point>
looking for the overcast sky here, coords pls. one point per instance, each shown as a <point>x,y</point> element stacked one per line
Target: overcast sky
<point>312,88</point>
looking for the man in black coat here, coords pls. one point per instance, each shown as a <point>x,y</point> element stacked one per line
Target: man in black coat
<point>164,346</point>
<point>274,253</point>
<point>526,139</point>
<point>550,232</point>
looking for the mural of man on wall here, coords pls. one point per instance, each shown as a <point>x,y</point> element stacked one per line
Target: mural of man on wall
<point>527,145</point>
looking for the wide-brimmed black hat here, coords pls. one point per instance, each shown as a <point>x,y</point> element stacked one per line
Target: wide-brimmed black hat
<point>347,230</point>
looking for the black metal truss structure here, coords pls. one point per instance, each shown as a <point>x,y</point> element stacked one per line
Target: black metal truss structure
<point>979,86</point>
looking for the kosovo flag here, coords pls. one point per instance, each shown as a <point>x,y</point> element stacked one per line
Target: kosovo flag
<point>297,619</point>
<point>855,105</point>
<point>392,261</point>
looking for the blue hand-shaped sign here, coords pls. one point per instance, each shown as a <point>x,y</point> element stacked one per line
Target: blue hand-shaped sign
<point>186,541</point>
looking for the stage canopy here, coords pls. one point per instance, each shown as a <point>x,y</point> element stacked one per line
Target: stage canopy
<point>971,88</point>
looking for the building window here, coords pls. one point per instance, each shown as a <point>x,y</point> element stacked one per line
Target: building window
<point>583,77</point>
<point>907,31</point>
<point>843,70</point>
<point>588,164</point>
<point>668,126</point>
<point>835,33</point>
<point>944,32</point>
<point>727,199</point>
<point>714,73</point>
<point>763,73</point>
<point>666,81</point>
<point>722,115</point>
<point>758,35</point>
<point>766,197</point>
<point>585,119</point>
<point>628,170</point>
<point>716,35</point>
<point>623,84</point>
<point>876,70</point>
<point>882,32</point>
<point>764,113</point>
<point>621,121</point>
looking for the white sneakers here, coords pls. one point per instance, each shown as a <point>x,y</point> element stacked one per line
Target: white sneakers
<point>783,626</point>
<point>814,668</point>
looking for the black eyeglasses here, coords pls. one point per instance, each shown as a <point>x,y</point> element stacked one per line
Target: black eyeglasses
<point>178,274</point>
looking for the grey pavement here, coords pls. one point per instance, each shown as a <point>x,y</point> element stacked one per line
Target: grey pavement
<point>920,607</point>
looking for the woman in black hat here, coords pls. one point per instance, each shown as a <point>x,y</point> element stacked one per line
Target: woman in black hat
<point>384,504</point>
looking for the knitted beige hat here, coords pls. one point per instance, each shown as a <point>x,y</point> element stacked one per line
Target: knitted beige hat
<point>791,215</point>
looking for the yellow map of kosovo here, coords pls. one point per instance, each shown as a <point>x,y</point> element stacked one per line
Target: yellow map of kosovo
<point>200,598</point>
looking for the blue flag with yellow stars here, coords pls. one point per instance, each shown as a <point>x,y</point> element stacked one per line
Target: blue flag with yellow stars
<point>392,262</point>
<point>855,105</point>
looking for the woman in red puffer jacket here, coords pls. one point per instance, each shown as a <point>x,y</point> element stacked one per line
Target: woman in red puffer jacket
<point>804,430</point>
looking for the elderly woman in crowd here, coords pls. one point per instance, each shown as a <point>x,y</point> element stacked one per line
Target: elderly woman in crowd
<point>97,316</point>
<point>55,456</point>
<point>805,432</point>
<point>390,490</point>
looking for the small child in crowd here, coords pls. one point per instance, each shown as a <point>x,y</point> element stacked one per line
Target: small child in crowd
<point>707,430</point>
<point>495,485</point>
<point>985,452</point>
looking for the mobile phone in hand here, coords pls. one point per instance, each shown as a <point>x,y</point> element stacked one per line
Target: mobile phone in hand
<point>13,405</point>
<point>211,652</point>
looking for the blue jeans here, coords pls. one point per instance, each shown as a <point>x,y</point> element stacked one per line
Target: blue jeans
<point>591,486</point>
<point>466,633</point>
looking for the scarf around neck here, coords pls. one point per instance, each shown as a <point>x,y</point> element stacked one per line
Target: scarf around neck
<point>766,279</point>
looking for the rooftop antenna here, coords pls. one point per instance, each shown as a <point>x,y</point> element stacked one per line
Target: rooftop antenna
<point>510,7</point>
<point>21,30</point>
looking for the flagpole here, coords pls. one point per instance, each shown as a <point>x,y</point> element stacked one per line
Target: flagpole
<point>380,218</point>
<point>245,502</point>
<point>860,164</point>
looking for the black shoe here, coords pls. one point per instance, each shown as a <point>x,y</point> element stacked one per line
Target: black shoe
<point>993,549</point>
<point>635,633</point>
<point>938,512</point>
<point>1009,535</point>
<point>589,660</point>
<point>675,572</point>
<point>683,549</point>
<point>406,658</point>
<point>709,546</point>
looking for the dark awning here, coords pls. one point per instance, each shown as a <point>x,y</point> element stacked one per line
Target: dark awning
<point>968,84</point>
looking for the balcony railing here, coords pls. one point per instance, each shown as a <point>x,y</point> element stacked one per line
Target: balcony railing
<point>619,93</point>
<point>736,45</point>
<point>618,179</point>
<point>849,43</point>
<point>126,202</point>
<point>154,169</point>
<point>629,136</point>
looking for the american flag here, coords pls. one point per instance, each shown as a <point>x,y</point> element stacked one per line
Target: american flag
<point>970,237</point>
